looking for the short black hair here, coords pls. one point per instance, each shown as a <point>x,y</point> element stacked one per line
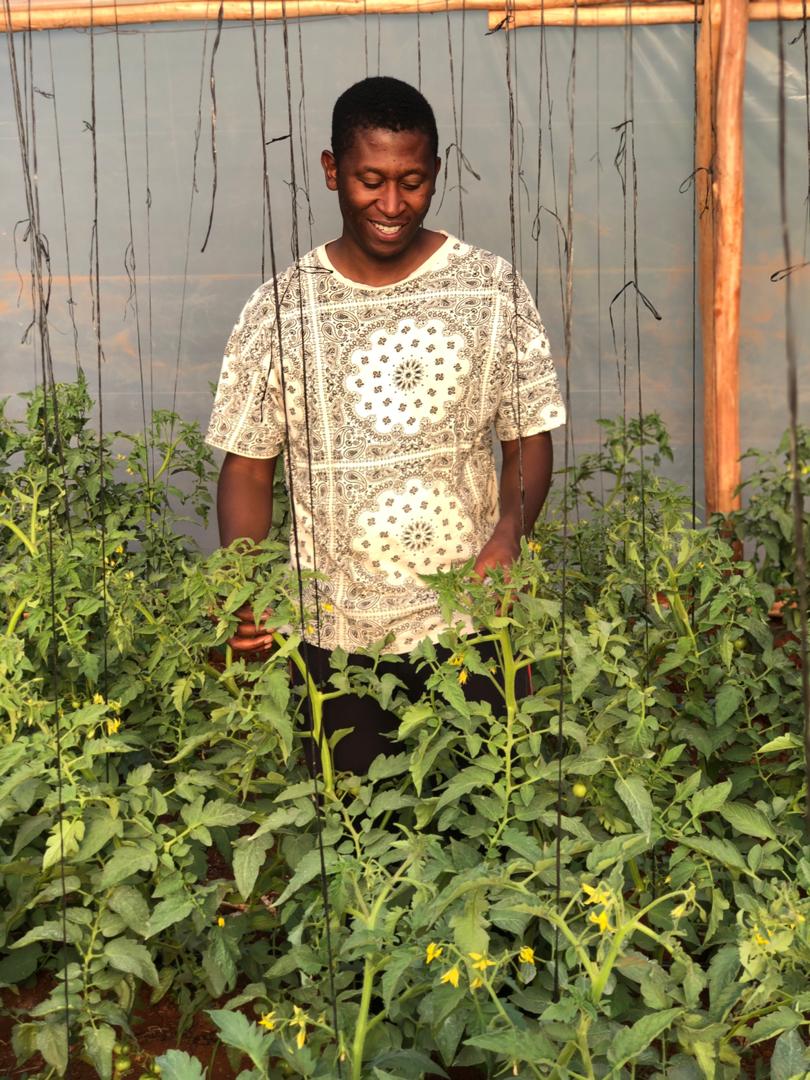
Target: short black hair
<point>381,102</point>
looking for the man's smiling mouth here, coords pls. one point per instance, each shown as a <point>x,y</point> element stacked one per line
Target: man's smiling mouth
<point>387,230</point>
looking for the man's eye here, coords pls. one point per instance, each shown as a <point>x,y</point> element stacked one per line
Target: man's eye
<point>370,183</point>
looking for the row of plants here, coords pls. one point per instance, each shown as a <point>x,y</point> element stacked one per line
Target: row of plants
<point>607,878</point>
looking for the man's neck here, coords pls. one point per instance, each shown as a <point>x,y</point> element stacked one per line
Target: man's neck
<point>353,263</point>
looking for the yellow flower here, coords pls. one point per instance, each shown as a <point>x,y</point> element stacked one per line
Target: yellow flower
<point>600,920</point>
<point>328,607</point>
<point>119,550</point>
<point>113,724</point>
<point>300,1018</point>
<point>433,952</point>
<point>457,659</point>
<point>463,675</point>
<point>598,895</point>
<point>451,976</point>
<point>268,1020</point>
<point>477,983</point>
<point>220,921</point>
<point>526,954</point>
<point>480,962</point>
<point>535,546</point>
<point>98,699</point>
<point>310,628</point>
<point>130,472</point>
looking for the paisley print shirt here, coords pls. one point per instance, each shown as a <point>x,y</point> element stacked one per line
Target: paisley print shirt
<point>385,400</point>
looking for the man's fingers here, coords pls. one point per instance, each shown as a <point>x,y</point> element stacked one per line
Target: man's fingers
<point>258,643</point>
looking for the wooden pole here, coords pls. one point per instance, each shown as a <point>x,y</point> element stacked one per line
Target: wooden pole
<point>705,148</point>
<point>729,196</point>
<point>636,14</point>
<point>56,14</point>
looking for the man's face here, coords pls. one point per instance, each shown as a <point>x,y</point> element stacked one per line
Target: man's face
<point>385,181</point>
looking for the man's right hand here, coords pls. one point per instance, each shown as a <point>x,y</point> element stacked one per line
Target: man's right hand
<point>251,635</point>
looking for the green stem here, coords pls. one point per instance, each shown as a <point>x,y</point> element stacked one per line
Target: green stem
<point>15,618</point>
<point>19,534</point>
<point>361,1028</point>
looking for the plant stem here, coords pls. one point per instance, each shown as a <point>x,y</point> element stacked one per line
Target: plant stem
<point>358,1043</point>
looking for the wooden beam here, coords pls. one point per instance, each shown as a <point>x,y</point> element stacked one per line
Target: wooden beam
<point>54,14</point>
<point>636,14</point>
<point>729,195</point>
<point>705,89</point>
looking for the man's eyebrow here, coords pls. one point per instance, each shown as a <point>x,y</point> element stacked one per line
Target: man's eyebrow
<point>415,171</point>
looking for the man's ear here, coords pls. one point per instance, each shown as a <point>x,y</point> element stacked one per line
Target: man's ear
<point>436,173</point>
<point>329,166</point>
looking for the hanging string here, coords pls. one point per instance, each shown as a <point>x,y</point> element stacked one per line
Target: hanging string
<point>148,203</point>
<point>303,133</point>
<point>51,436</point>
<point>694,273</point>
<point>95,294</point>
<point>456,129</point>
<point>71,303</point>
<point>192,193</point>
<point>130,263</point>
<point>418,50</point>
<point>213,86</point>
<point>793,414</point>
<point>291,486</point>
<point>600,434</point>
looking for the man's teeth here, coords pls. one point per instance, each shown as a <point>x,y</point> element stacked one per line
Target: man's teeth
<point>389,230</point>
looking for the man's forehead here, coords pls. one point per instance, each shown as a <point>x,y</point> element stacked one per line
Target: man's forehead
<point>368,144</point>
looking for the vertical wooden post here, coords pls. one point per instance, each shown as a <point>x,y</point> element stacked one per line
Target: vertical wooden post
<point>729,198</point>
<point>705,149</point>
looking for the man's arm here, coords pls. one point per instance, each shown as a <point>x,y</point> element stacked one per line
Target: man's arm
<point>537,456</point>
<point>245,509</point>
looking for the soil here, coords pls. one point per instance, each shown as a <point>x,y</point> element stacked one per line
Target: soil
<point>155,1030</point>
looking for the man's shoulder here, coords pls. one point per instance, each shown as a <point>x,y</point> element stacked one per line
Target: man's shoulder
<point>282,290</point>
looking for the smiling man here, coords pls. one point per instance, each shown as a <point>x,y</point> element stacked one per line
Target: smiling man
<point>381,363</point>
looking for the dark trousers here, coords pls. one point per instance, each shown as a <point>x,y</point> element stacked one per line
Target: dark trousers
<point>371,727</point>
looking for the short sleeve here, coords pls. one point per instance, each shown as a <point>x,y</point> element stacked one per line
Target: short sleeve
<point>248,414</point>
<point>530,392</point>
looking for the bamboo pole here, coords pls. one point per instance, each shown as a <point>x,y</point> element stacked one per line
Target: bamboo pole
<point>705,88</point>
<point>729,195</point>
<point>55,14</point>
<point>636,14</point>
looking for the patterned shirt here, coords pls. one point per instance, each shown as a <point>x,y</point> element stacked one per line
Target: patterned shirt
<point>385,399</point>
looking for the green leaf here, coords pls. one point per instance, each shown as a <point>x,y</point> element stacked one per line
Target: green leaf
<point>748,820</point>
<point>52,1042</point>
<point>727,702</point>
<point>630,1041</point>
<point>167,913</point>
<point>768,1027</point>
<point>100,830</point>
<point>530,1046</point>
<point>63,842</point>
<point>308,868</point>
<point>178,1065</point>
<point>636,798</point>
<point>248,859</point>
<point>220,812</point>
<point>30,830</point>
<point>392,976</point>
<point>723,970</point>
<point>18,964</point>
<point>721,850</point>
<point>218,965</point>
<point>239,1032</point>
<point>710,798</point>
<point>448,1034</point>
<point>789,1058</point>
<point>123,863</point>
<point>99,1042</point>
<point>584,674</point>
<point>129,903</point>
<point>130,956</point>
<point>780,743</point>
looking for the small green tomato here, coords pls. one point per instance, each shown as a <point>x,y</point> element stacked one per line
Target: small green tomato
<point>579,790</point>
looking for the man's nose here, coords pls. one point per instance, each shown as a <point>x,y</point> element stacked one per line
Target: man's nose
<point>390,201</point>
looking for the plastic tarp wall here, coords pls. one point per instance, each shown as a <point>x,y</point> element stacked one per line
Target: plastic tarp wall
<point>188,300</point>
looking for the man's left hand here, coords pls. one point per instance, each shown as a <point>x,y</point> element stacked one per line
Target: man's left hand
<point>499,551</point>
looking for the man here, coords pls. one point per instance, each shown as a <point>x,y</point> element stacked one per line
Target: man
<point>381,363</point>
